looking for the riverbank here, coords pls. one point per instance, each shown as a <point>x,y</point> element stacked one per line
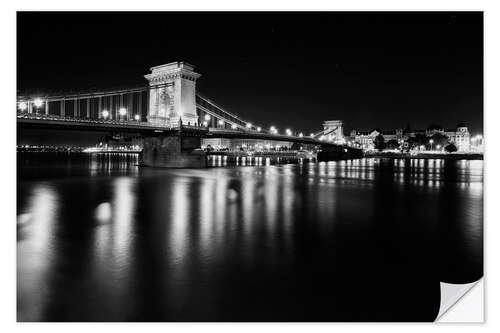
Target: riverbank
<point>449,156</point>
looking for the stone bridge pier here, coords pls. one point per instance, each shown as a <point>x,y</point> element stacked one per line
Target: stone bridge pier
<point>172,97</point>
<point>173,152</point>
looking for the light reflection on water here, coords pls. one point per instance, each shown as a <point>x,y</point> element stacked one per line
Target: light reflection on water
<point>260,242</point>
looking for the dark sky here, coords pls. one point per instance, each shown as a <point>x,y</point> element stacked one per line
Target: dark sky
<point>284,69</point>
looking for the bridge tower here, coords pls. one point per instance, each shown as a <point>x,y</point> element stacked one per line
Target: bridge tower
<point>334,130</point>
<point>172,94</point>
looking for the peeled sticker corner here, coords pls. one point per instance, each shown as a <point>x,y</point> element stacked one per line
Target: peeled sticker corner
<point>452,293</point>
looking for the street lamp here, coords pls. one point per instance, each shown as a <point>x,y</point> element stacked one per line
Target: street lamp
<point>137,117</point>
<point>22,106</point>
<point>288,131</point>
<point>122,112</point>
<point>259,129</point>
<point>221,122</point>
<point>431,142</point>
<point>438,147</point>
<point>301,135</point>
<point>207,117</point>
<point>38,102</point>
<point>105,114</point>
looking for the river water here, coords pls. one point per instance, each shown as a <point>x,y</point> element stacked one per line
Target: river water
<point>100,239</point>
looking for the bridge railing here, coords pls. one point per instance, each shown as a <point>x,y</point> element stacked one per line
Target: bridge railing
<point>50,117</point>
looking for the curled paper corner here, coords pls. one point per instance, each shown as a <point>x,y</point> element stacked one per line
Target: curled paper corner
<point>452,293</point>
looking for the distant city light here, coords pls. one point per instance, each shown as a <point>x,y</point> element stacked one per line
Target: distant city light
<point>38,102</point>
<point>22,106</point>
<point>105,114</point>
<point>207,117</point>
<point>122,111</point>
<point>137,117</point>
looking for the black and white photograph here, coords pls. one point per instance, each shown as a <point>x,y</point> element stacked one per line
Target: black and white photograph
<point>247,166</point>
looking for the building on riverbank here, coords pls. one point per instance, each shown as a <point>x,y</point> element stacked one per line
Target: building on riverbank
<point>459,136</point>
<point>365,139</point>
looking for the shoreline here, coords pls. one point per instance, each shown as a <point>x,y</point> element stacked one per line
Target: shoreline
<point>448,156</point>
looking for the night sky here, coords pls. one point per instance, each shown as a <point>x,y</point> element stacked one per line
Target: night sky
<point>371,70</point>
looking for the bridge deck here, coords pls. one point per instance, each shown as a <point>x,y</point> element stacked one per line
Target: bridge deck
<point>56,122</point>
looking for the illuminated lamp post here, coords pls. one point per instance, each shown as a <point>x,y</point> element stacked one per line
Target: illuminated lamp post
<point>37,103</point>
<point>22,106</point>
<point>122,112</point>
<point>105,114</point>
<point>207,119</point>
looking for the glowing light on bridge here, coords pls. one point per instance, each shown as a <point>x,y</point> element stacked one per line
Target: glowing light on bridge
<point>301,135</point>
<point>122,111</point>
<point>311,135</point>
<point>273,130</point>
<point>22,106</point>
<point>288,131</point>
<point>259,129</point>
<point>137,117</point>
<point>233,126</point>
<point>221,122</point>
<point>105,114</point>
<point>38,102</point>
<point>207,117</point>
<point>249,125</point>
<point>205,123</point>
